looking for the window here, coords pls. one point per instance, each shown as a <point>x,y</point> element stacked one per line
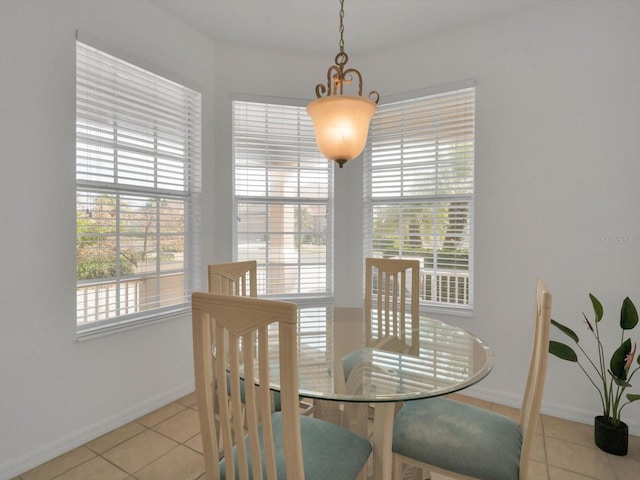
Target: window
<point>419,186</point>
<point>137,193</point>
<point>283,200</point>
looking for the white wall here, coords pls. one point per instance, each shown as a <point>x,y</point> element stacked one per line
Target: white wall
<point>56,393</point>
<point>558,116</point>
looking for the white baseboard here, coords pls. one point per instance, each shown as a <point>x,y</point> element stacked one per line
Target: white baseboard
<point>548,408</point>
<point>32,459</point>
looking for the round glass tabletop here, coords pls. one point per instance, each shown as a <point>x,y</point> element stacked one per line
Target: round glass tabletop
<point>335,364</point>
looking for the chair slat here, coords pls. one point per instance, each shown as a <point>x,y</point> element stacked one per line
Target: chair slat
<point>265,401</point>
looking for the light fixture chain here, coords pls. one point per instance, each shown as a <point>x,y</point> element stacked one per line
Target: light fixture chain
<point>341,26</point>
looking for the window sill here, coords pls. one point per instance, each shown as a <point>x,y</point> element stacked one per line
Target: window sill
<point>89,332</point>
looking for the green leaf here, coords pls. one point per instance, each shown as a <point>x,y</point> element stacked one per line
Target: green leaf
<point>566,330</point>
<point>562,351</point>
<point>628,315</point>
<point>619,382</point>
<point>618,360</point>
<point>597,308</point>
<point>632,397</point>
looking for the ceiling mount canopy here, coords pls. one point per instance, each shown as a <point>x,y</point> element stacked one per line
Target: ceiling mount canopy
<point>341,122</point>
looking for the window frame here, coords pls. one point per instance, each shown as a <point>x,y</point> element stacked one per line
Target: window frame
<point>432,306</point>
<point>179,201</point>
<point>320,299</point>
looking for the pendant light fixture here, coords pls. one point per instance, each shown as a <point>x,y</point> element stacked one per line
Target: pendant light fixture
<point>341,122</point>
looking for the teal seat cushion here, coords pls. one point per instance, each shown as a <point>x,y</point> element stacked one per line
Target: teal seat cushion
<point>330,452</point>
<point>275,396</point>
<point>352,359</point>
<point>459,437</point>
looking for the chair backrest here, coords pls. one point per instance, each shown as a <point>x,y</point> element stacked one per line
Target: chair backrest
<point>234,323</point>
<point>391,300</point>
<point>234,278</point>
<point>534,389</point>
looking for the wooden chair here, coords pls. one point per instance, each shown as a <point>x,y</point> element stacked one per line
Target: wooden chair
<point>390,284</point>
<point>392,289</point>
<point>235,278</point>
<point>240,278</point>
<point>462,441</point>
<point>391,302</point>
<point>230,331</point>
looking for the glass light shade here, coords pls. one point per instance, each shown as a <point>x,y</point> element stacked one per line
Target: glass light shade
<point>341,124</point>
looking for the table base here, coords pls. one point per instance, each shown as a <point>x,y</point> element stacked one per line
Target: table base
<point>355,416</point>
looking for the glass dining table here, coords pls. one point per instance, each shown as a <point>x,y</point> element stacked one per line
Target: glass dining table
<point>347,380</point>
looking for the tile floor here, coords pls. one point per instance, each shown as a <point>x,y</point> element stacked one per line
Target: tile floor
<point>166,445</point>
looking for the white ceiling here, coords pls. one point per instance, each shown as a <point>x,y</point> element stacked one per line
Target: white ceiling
<point>312,25</point>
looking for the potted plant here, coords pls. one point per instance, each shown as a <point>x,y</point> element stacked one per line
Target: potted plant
<point>610,379</point>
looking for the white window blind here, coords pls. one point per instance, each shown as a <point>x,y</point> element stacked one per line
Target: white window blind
<point>283,200</point>
<point>419,187</point>
<point>137,192</point>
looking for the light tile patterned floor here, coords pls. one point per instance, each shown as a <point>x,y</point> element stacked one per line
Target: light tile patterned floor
<point>166,445</point>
